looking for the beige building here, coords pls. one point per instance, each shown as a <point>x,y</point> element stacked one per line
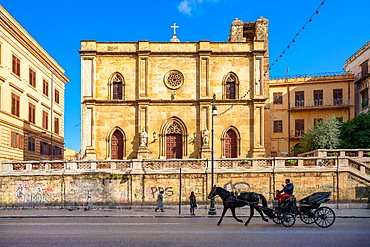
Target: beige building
<point>31,96</point>
<point>296,103</point>
<point>358,64</point>
<point>154,99</point>
<point>70,154</point>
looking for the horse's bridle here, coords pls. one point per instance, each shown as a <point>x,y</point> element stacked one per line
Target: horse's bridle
<point>212,193</point>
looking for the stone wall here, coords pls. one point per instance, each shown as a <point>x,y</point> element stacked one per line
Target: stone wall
<point>133,187</point>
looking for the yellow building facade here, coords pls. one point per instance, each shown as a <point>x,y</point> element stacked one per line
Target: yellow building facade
<point>154,99</point>
<point>31,96</point>
<point>296,103</point>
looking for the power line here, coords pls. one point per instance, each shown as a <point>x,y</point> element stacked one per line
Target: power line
<point>293,41</point>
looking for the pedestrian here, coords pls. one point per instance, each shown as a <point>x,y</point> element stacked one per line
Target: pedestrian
<point>193,202</point>
<point>160,201</point>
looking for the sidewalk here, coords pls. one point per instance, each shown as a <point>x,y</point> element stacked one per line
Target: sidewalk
<point>170,211</point>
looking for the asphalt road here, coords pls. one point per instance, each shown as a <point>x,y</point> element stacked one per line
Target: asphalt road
<point>108,231</point>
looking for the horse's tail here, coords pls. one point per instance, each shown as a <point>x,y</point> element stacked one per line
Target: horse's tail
<point>266,210</point>
<point>263,199</point>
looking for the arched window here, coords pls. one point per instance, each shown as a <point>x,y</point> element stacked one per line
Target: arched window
<point>116,84</point>
<point>230,85</point>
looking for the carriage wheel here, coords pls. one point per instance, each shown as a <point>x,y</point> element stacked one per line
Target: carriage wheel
<point>307,218</point>
<point>277,218</point>
<point>324,217</point>
<point>288,220</point>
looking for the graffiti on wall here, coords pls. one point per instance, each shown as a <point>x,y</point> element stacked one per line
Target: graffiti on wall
<point>168,191</point>
<point>28,192</point>
<point>238,187</point>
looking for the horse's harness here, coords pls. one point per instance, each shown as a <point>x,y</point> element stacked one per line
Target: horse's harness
<point>234,198</point>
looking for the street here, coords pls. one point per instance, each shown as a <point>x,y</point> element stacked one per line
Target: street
<point>199,231</point>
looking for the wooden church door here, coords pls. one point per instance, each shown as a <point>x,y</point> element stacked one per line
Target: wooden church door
<point>173,146</point>
<point>230,144</point>
<point>117,146</point>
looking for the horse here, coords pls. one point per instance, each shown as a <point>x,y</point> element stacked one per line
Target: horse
<point>243,199</point>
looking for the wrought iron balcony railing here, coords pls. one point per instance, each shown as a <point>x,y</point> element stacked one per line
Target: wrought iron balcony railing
<point>337,102</point>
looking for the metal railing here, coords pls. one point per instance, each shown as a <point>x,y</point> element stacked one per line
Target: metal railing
<point>337,102</point>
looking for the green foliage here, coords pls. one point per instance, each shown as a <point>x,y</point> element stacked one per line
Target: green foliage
<point>294,151</point>
<point>116,176</point>
<point>292,162</point>
<point>356,133</point>
<point>323,135</point>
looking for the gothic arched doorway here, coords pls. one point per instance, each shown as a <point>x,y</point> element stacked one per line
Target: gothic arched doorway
<point>174,141</point>
<point>231,143</point>
<point>117,145</point>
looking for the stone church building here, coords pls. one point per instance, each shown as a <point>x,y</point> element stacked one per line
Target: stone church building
<point>153,100</point>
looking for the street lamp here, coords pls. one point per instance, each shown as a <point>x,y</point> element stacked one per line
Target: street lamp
<point>212,209</point>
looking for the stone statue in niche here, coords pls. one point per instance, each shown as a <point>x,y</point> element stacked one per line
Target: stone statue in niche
<point>143,138</point>
<point>205,137</point>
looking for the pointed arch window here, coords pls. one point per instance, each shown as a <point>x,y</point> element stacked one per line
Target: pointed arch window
<point>117,84</point>
<point>230,86</point>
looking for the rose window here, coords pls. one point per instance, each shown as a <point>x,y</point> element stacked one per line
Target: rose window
<point>174,79</point>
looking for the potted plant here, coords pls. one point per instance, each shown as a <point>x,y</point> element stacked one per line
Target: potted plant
<point>198,162</point>
<point>246,162</point>
<point>291,162</point>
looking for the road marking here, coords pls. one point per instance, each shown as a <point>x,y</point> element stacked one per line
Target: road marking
<point>79,224</point>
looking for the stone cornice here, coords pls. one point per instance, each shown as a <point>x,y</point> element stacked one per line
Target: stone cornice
<point>16,87</point>
<point>45,105</point>
<point>358,53</point>
<point>58,113</point>
<point>32,97</point>
<point>170,102</point>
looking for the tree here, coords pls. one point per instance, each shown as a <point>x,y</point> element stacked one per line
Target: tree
<point>323,135</point>
<point>356,133</point>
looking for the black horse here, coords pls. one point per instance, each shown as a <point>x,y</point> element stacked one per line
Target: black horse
<point>246,198</point>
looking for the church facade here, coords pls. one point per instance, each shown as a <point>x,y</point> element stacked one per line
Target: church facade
<point>153,100</point>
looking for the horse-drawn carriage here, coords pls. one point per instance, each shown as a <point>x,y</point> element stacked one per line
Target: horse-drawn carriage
<point>309,209</point>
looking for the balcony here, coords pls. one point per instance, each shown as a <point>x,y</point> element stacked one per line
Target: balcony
<point>320,103</point>
<point>297,134</point>
<point>361,76</point>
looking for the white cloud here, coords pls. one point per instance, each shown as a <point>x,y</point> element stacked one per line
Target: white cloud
<point>184,7</point>
<point>188,6</point>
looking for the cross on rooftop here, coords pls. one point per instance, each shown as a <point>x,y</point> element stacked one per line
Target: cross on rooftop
<point>174,28</point>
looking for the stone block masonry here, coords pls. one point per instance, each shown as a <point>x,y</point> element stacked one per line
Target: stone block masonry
<point>116,185</point>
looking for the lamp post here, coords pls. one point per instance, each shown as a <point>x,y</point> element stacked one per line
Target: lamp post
<point>212,209</point>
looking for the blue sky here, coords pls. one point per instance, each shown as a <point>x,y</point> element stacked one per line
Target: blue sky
<point>339,30</point>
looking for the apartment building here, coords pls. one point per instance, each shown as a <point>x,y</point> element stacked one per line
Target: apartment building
<point>32,87</point>
<point>358,64</point>
<point>295,104</point>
